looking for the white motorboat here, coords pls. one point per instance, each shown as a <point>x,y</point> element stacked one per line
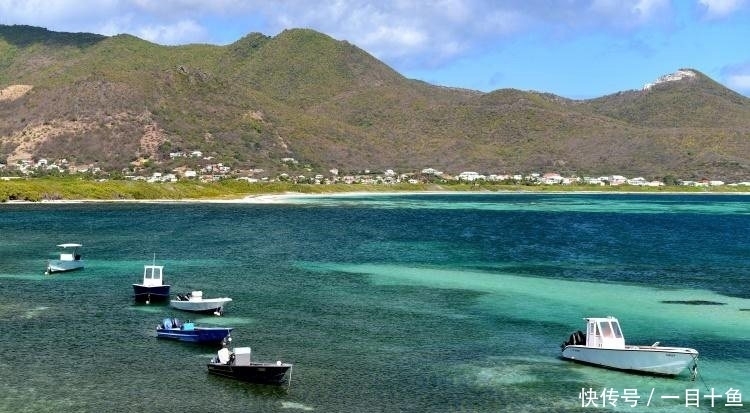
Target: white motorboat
<point>69,259</point>
<point>195,302</point>
<point>603,345</point>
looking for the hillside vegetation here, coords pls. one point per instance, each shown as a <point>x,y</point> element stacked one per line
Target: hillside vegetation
<point>121,103</point>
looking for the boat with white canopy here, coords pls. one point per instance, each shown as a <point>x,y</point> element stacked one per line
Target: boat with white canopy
<point>603,345</point>
<point>69,259</point>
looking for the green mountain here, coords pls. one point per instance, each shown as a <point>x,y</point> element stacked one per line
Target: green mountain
<point>121,102</point>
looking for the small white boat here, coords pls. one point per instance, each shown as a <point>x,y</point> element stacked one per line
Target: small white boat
<point>195,302</point>
<point>603,345</point>
<point>69,259</point>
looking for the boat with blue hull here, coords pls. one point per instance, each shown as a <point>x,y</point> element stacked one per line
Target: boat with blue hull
<point>174,329</point>
<point>152,289</point>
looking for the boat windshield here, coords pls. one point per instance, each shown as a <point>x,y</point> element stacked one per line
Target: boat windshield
<point>606,329</point>
<point>616,328</point>
<point>152,273</point>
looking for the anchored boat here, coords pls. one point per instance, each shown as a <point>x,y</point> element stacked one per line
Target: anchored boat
<point>173,328</point>
<point>238,365</point>
<point>195,302</point>
<point>69,259</point>
<point>603,345</point>
<point>152,288</point>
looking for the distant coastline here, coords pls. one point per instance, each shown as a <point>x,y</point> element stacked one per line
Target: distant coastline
<point>284,197</point>
<point>67,190</point>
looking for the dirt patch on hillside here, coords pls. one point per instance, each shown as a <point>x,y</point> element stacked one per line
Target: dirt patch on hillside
<point>32,135</point>
<point>152,137</point>
<point>14,92</point>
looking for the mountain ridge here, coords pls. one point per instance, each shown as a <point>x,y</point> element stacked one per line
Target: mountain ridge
<point>121,102</point>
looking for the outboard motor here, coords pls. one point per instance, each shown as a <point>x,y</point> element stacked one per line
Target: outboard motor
<point>580,338</point>
<point>577,338</point>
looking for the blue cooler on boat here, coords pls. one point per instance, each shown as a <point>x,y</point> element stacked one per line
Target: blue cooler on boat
<point>188,326</point>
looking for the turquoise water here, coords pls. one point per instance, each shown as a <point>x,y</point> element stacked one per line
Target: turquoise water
<point>386,303</point>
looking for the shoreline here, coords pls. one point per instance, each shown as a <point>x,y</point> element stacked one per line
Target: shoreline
<point>281,198</point>
<point>68,190</point>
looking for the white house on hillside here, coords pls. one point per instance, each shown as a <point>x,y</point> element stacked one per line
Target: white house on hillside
<point>470,176</point>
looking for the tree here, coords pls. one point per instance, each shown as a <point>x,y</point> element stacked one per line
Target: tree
<point>670,180</point>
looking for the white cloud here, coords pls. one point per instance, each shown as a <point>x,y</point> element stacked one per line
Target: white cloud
<point>404,33</point>
<point>172,34</point>
<point>721,8</point>
<point>54,13</point>
<point>737,77</point>
<point>394,29</point>
<point>166,22</point>
<point>626,13</point>
<point>412,24</point>
<point>739,82</point>
<point>416,33</point>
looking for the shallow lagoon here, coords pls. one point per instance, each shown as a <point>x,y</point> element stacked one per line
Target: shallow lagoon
<point>384,303</point>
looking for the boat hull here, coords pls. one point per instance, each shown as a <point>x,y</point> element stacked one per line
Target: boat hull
<point>209,306</point>
<point>266,373</point>
<point>203,335</point>
<point>63,266</point>
<point>643,359</point>
<point>145,294</point>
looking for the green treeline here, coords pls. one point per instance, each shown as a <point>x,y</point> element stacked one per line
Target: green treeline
<point>69,188</point>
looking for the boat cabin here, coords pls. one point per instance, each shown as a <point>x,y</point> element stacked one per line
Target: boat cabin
<point>604,333</point>
<point>242,355</point>
<point>70,256</point>
<point>152,275</point>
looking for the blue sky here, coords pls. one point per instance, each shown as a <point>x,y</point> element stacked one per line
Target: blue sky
<point>574,48</point>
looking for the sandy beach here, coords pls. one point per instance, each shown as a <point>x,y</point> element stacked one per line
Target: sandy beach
<point>286,197</point>
<point>254,198</point>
